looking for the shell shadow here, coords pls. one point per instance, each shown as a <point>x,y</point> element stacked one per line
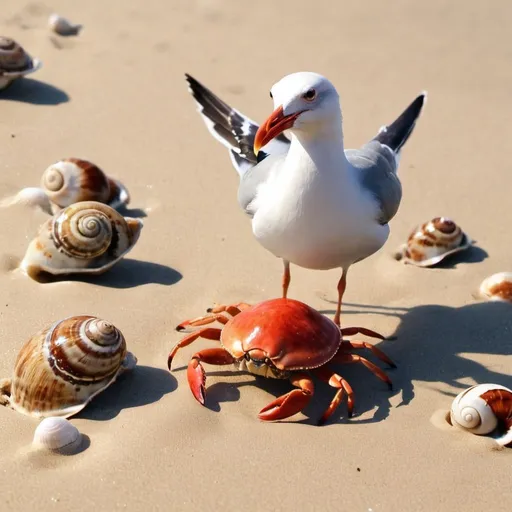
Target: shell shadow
<point>36,92</point>
<point>127,273</point>
<point>142,386</point>
<point>473,254</point>
<point>135,213</point>
<point>432,344</point>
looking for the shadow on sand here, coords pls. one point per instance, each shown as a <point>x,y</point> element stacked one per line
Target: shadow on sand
<point>142,386</point>
<point>429,345</point>
<point>30,90</point>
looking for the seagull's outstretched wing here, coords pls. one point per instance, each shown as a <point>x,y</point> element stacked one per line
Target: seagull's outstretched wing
<point>233,129</point>
<point>377,161</point>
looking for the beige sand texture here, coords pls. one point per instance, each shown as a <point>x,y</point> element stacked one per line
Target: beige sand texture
<point>116,95</point>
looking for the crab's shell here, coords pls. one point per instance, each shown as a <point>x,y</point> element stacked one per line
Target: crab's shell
<point>291,334</point>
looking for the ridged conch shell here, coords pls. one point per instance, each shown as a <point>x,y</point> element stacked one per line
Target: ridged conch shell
<point>69,181</point>
<point>63,26</point>
<point>484,409</point>
<point>86,237</point>
<point>55,433</point>
<point>63,367</point>
<point>15,62</point>
<point>497,287</point>
<point>433,241</point>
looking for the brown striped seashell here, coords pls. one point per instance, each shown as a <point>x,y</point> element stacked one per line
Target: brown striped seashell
<point>497,287</point>
<point>63,367</point>
<point>86,237</point>
<point>484,409</point>
<point>432,242</point>
<point>69,181</point>
<point>15,62</point>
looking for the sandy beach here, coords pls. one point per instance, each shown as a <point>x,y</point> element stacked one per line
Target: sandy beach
<point>115,95</point>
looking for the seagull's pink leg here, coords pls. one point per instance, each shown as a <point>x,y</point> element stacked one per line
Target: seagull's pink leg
<point>286,278</point>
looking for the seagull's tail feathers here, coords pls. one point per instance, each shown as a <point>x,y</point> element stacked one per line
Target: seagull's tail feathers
<point>395,135</point>
<point>231,128</point>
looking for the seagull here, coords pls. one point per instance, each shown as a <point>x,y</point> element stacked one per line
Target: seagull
<point>312,203</point>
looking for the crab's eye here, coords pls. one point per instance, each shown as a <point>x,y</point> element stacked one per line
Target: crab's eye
<point>271,95</point>
<point>309,95</point>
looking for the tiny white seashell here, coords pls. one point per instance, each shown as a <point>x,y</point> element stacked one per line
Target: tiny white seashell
<point>433,241</point>
<point>497,287</point>
<point>484,409</point>
<point>15,62</point>
<point>54,433</point>
<point>63,26</point>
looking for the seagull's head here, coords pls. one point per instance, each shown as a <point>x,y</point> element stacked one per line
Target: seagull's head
<point>302,102</point>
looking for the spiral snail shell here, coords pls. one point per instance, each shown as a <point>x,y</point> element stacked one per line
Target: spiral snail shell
<point>63,367</point>
<point>433,241</point>
<point>15,62</point>
<point>69,181</point>
<point>55,433</point>
<point>86,237</point>
<point>497,287</point>
<point>483,409</point>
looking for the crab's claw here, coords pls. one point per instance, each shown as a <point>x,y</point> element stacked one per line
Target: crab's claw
<point>196,379</point>
<point>285,406</point>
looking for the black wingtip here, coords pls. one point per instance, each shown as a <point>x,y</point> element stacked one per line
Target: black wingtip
<point>398,132</point>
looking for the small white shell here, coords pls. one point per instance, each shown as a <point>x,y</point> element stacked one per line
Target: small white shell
<point>433,241</point>
<point>54,433</point>
<point>481,409</point>
<point>497,287</point>
<point>63,26</point>
<point>15,62</point>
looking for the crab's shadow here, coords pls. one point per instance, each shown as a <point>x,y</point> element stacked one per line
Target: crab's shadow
<point>432,344</point>
<point>143,385</point>
<point>36,92</point>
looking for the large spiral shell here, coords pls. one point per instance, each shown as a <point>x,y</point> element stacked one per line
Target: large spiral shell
<point>497,287</point>
<point>86,237</point>
<point>15,62</point>
<point>62,367</point>
<point>482,409</point>
<point>433,241</point>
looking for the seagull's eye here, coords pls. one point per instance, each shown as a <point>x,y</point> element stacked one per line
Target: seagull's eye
<point>310,95</point>
<point>271,95</point>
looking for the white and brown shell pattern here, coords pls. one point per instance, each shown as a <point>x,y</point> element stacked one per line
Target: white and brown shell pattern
<point>484,409</point>
<point>68,181</point>
<point>86,237</point>
<point>433,241</point>
<point>63,367</point>
<point>15,62</point>
<point>497,287</point>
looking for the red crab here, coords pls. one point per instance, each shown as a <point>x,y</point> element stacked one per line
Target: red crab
<point>280,339</point>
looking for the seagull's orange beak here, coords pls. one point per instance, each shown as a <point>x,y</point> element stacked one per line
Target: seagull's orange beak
<point>275,124</point>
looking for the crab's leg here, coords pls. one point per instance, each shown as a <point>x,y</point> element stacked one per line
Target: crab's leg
<point>232,309</point>
<point>336,381</point>
<point>202,320</point>
<point>210,333</point>
<point>195,371</point>
<point>350,331</point>
<point>352,358</point>
<point>291,403</point>
<point>347,345</point>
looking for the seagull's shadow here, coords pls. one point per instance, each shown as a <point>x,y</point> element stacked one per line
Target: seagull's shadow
<point>141,386</point>
<point>30,90</point>
<point>428,346</point>
<point>127,273</point>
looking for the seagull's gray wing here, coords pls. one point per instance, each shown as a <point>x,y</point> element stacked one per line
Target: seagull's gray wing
<point>376,163</point>
<point>254,177</point>
<point>376,167</point>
